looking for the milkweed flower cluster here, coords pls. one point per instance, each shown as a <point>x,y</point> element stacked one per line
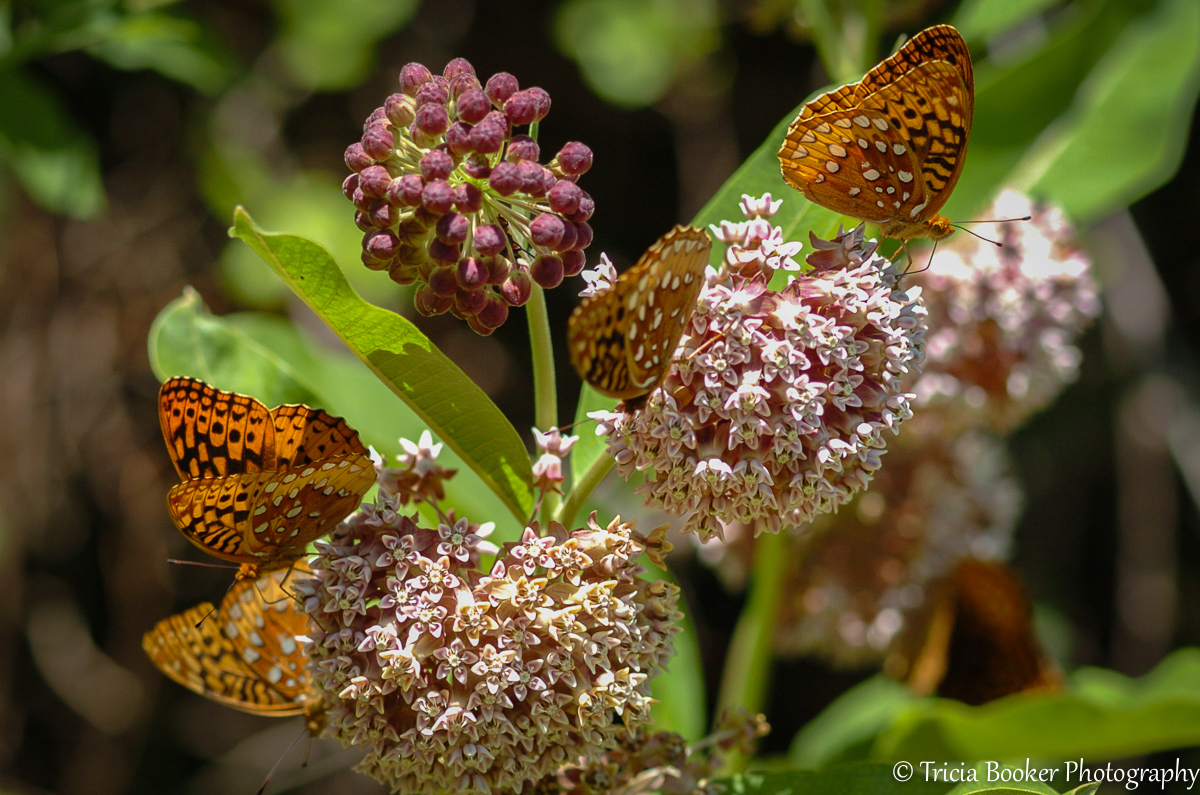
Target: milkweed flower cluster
<point>857,581</point>
<point>1003,320</point>
<point>1000,345</point>
<point>777,406</point>
<point>451,199</point>
<point>661,762</point>
<point>451,677</point>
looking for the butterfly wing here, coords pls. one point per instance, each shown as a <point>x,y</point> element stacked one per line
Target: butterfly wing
<point>304,435</point>
<point>850,162</point>
<point>621,340</point>
<point>268,518</point>
<point>298,505</point>
<point>930,111</point>
<point>262,622</point>
<point>937,43</point>
<point>913,111</point>
<point>196,653</point>
<point>210,432</point>
<point>214,513</point>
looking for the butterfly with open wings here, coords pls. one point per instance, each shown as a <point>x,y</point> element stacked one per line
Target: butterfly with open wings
<point>258,484</point>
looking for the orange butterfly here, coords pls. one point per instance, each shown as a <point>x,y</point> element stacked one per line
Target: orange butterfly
<point>258,485</point>
<point>975,641</point>
<point>247,658</point>
<point>621,340</point>
<point>889,149</point>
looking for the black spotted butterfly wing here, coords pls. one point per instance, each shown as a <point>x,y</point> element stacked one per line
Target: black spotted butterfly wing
<point>621,340</point>
<point>258,485</point>
<point>245,655</point>
<point>889,149</point>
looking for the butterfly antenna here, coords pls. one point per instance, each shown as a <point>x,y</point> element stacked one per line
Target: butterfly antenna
<point>286,595</point>
<point>995,243</point>
<point>990,221</point>
<point>228,588</point>
<point>571,425</point>
<point>279,761</point>
<point>701,347</point>
<point>201,564</point>
<point>995,221</point>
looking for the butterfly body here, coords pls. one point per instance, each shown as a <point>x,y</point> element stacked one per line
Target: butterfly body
<point>889,149</point>
<point>246,655</point>
<point>621,340</point>
<point>258,484</point>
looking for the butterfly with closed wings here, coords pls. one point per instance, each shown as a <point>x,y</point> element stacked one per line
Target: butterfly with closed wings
<point>248,658</point>
<point>621,340</point>
<point>889,149</point>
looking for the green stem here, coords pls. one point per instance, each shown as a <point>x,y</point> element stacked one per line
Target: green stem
<point>545,406</point>
<point>545,395</point>
<point>583,488</point>
<point>748,664</point>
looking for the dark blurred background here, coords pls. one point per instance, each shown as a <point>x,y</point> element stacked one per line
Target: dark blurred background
<point>129,131</point>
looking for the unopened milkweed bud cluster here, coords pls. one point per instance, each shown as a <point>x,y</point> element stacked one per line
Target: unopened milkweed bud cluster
<point>451,199</point>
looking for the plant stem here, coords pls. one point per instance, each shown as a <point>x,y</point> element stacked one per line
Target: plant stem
<point>748,664</point>
<point>583,488</point>
<point>545,391</point>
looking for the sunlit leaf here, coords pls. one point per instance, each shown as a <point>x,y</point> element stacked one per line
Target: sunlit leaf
<point>864,778</point>
<point>186,339</point>
<point>847,727</point>
<point>1128,128</point>
<point>449,403</point>
<point>1103,715</point>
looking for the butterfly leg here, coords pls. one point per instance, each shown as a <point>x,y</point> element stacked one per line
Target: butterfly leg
<point>286,593</point>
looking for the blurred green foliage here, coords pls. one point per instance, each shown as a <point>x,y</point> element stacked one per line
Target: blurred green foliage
<point>41,143</point>
<point>1100,715</point>
<point>631,51</point>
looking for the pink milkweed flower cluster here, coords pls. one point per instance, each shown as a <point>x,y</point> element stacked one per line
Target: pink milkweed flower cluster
<point>452,677</point>
<point>779,402</point>
<point>1003,321</point>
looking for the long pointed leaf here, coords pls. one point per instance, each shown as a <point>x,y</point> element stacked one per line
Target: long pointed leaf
<point>406,360</point>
